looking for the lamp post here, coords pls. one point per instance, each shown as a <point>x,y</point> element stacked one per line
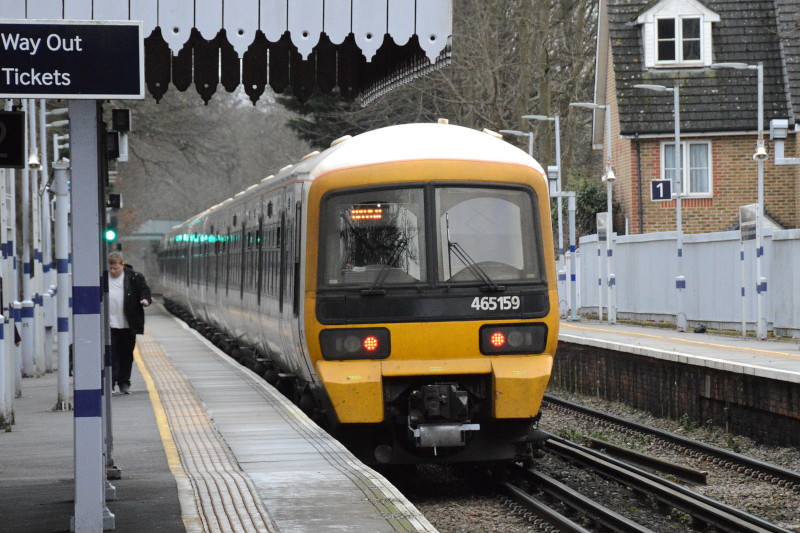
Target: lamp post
<point>609,178</point>
<point>760,156</point>
<point>516,133</point>
<point>559,194</point>
<point>558,180</point>
<point>680,279</point>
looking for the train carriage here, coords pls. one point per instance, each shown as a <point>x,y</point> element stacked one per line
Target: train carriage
<point>399,285</point>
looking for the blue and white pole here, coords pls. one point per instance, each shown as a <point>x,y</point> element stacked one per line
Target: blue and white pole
<point>17,320</point>
<point>6,403</point>
<point>64,288</point>
<point>91,513</point>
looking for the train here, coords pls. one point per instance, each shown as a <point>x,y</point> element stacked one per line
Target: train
<point>398,286</point>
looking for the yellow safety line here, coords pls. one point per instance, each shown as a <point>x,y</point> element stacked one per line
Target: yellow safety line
<point>189,511</point>
<point>687,341</point>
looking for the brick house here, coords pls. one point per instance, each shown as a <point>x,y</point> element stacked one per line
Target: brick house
<point>675,42</point>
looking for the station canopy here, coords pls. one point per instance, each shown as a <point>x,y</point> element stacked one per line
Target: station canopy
<point>362,47</point>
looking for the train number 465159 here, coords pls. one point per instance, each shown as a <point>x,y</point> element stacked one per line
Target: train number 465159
<point>492,303</point>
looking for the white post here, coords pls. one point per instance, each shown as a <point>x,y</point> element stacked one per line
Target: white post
<point>48,277</point>
<point>573,277</point>
<point>64,289</point>
<point>742,283</point>
<point>91,513</point>
<point>27,292</point>
<point>761,281</point>
<point>612,311</point>
<point>37,284</point>
<point>680,280</point>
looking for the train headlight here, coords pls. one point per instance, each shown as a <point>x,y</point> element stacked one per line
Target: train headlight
<point>497,339</point>
<point>366,343</point>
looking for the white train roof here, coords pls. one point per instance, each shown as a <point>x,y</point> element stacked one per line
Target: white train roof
<point>410,142</point>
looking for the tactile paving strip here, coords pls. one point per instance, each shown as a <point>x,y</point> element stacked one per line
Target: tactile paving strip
<point>224,498</point>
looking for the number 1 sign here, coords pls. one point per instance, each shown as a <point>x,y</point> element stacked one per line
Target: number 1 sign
<point>660,190</point>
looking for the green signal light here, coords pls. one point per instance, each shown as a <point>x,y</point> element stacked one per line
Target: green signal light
<point>110,235</point>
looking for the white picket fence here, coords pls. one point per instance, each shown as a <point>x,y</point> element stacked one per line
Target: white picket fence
<point>646,266</point>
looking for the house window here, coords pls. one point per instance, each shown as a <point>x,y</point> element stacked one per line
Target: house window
<point>678,39</point>
<point>697,175</point>
<point>677,34</point>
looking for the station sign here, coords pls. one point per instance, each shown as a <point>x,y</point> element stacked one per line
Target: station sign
<point>660,190</point>
<point>12,139</point>
<point>91,60</point>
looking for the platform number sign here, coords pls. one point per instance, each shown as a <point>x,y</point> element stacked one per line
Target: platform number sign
<point>660,190</point>
<point>12,139</point>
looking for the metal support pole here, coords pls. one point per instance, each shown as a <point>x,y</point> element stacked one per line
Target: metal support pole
<point>560,204</point>
<point>37,284</point>
<point>27,290</point>
<point>612,310</point>
<point>744,292</point>
<point>17,318</point>
<point>48,277</point>
<point>680,280</point>
<point>573,278</point>
<point>64,336</point>
<point>91,513</point>
<point>761,286</point>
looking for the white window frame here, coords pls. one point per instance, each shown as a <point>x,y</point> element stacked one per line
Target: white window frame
<point>677,10</point>
<point>678,42</point>
<point>685,170</point>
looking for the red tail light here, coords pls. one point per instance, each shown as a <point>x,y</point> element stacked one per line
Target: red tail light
<point>504,339</point>
<point>358,343</point>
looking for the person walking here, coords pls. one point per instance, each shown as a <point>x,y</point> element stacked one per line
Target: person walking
<point>128,295</point>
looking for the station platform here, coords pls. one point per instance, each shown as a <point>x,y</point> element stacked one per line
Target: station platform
<point>770,359</point>
<point>202,444</point>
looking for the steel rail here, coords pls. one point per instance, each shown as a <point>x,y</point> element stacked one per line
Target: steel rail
<point>704,509</point>
<point>748,463</point>
<point>552,516</point>
<point>601,514</point>
<point>687,474</point>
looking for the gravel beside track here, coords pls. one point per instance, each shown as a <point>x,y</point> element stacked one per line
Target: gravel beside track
<point>454,502</point>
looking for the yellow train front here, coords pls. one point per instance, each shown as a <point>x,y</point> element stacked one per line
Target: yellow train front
<point>429,308</point>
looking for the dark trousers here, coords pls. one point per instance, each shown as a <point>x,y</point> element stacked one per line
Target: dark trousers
<point>123,341</point>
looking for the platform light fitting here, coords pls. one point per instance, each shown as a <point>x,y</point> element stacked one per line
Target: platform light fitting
<point>761,152</point>
<point>33,162</point>
<point>609,176</point>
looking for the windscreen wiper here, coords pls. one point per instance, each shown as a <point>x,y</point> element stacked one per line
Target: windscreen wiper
<point>469,263</point>
<point>377,286</point>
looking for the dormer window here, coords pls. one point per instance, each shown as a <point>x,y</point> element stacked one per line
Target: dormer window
<point>677,34</point>
<point>678,39</point>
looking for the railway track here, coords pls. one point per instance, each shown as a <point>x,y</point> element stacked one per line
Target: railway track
<point>722,458</point>
<point>704,511</point>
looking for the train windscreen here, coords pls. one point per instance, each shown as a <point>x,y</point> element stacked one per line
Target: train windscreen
<point>374,237</point>
<point>485,233</point>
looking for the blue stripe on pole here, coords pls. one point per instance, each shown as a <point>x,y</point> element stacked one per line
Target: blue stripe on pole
<point>572,248</point>
<point>86,300</point>
<point>4,250</point>
<point>62,266</point>
<point>600,282</point>
<point>46,268</point>
<point>680,252</point>
<point>761,287</point>
<point>742,292</point>
<point>572,277</point>
<point>2,330</point>
<point>610,253</point>
<point>63,324</point>
<point>612,282</point>
<point>38,299</point>
<point>680,284</point>
<point>37,255</point>
<point>741,255</point>
<point>27,312</point>
<point>26,269</point>
<point>88,403</point>
<point>562,277</point>
<point>759,251</point>
<point>17,314</point>
<point>598,252</point>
